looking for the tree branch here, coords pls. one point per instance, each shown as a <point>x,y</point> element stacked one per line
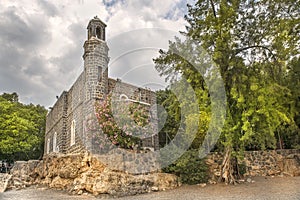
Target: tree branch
<point>213,8</point>
<point>255,46</point>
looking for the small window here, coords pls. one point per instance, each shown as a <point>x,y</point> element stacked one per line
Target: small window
<point>48,146</point>
<point>99,73</point>
<point>98,32</point>
<point>90,33</point>
<point>54,142</point>
<point>73,130</point>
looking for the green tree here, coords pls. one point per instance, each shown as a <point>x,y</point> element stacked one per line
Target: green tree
<point>251,42</point>
<point>289,135</point>
<point>13,97</point>
<point>168,118</point>
<point>22,129</point>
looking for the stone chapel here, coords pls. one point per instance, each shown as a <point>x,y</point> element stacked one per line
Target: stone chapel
<point>65,122</point>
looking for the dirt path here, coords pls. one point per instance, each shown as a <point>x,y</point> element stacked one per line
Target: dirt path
<point>263,188</point>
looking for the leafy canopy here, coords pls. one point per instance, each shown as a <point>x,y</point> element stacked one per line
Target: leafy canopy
<point>22,128</point>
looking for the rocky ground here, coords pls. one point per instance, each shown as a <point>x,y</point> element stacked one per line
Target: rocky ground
<point>259,188</point>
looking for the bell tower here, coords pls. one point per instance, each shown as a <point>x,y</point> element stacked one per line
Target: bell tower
<point>95,61</point>
<point>96,28</point>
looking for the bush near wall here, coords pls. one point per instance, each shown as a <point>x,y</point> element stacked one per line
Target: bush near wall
<point>189,168</point>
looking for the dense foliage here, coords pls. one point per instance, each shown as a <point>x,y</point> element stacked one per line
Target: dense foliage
<point>189,168</point>
<point>255,46</point>
<point>22,129</point>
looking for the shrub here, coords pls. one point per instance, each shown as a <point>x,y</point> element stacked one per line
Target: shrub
<point>189,168</point>
<point>242,168</point>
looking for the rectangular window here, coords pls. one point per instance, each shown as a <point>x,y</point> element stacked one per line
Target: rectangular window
<point>73,130</point>
<point>48,146</point>
<point>54,142</point>
<point>99,73</point>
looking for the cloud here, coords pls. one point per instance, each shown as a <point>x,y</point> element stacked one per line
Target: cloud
<point>16,31</point>
<point>49,8</point>
<point>41,42</point>
<point>132,53</point>
<point>22,67</point>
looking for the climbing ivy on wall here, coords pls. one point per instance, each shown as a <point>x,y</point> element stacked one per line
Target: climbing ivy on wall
<point>124,123</point>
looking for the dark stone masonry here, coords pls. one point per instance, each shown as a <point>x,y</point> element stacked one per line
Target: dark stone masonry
<point>66,124</point>
<point>260,163</point>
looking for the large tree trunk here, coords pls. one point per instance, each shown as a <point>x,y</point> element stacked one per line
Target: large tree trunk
<point>229,169</point>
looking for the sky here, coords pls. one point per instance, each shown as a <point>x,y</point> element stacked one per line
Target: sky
<point>41,42</point>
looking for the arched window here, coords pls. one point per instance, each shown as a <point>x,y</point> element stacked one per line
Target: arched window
<point>123,97</point>
<point>73,132</point>
<point>48,146</point>
<point>98,32</point>
<point>54,142</point>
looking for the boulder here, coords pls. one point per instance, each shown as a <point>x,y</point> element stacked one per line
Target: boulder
<point>60,183</point>
<point>4,181</point>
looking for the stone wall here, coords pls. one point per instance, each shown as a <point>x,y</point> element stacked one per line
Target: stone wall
<point>260,163</point>
<point>55,123</point>
<point>132,92</point>
<point>122,90</point>
<point>67,109</point>
<point>75,114</point>
<point>81,173</point>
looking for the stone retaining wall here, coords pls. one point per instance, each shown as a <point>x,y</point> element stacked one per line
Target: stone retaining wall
<point>261,163</point>
<point>81,173</point>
